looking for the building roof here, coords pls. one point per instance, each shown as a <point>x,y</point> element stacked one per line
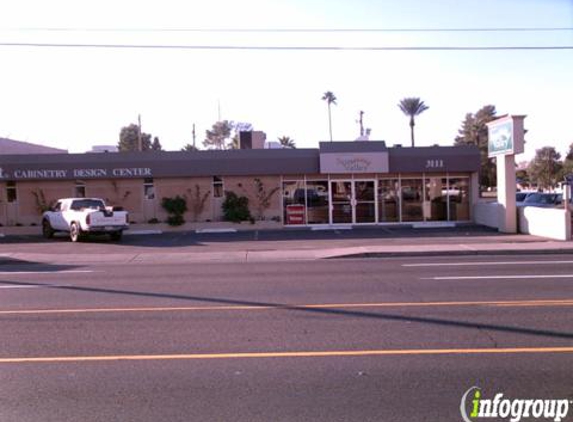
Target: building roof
<point>12,147</point>
<point>233,162</point>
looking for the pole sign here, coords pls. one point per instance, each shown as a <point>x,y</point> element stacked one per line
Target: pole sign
<point>505,136</point>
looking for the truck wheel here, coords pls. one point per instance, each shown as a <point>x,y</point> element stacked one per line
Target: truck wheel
<point>75,232</point>
<point>47,230</point>
<point>116,236</point>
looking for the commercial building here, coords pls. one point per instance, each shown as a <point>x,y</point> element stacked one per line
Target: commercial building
<point>361,182</point>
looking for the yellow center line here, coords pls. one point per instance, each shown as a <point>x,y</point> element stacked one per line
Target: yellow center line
<point>511,303</point>
<point>303,354</point>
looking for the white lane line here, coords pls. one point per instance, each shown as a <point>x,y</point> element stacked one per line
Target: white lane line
<point>21,287</point>
<point>499,277</point>
<point>46,272</point>
<point>467,264</point>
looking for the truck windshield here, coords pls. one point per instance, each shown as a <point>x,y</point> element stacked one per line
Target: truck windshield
<point>95,204</point>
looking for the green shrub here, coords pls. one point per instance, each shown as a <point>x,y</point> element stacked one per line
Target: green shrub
<point>175,220</point>
<point>236,208</point>
<point>175,207</point>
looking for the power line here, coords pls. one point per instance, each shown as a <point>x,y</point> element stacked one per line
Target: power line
<point>291,30</point>
<point>285,48</point>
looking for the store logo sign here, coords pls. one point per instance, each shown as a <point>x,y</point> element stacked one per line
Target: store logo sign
<point>355,164</point>
<point>347,163</point>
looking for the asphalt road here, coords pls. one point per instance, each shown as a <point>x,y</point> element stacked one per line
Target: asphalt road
<point>337,340</point>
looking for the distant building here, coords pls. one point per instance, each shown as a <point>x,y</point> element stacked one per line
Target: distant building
<point>105,148</point>
<point>12,147</point>
<point>273,145</point>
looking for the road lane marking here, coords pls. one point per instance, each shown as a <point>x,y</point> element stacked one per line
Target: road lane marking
<point>499,277</point>
<point>474,263</point>
<point>46,272</point>
<point>34,286</point>
<point>303,354</point>
<point>510,303</point>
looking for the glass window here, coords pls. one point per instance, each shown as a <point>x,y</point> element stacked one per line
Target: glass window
<point>459,194</point>
<point>436,200</point>
<point>388,202</point>
<point>294,208</point>
<point>412,198</point>
<point>80,190</point>
<point>92,204</point>
<point>218,190</point>
<point>11,193</point>
<point>317,202</point>
<point>148,189</point>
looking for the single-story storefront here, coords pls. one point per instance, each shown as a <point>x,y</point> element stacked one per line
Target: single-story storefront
<point>361,182</point>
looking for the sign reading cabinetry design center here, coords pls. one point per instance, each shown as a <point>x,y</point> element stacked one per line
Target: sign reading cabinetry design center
<point>81,173</point>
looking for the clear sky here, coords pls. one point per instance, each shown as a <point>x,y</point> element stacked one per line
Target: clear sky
<point>74,98</point>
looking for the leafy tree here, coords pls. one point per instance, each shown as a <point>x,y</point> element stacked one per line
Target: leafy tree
<point>218,135</point>
<point>569,155</point>
<point>129,139</point>
<point>567,168</point>
<point>287,142</point>
<point>189,147</point>
<point>474,132</point>
<point>330,98</point>
<point>522,177</point>
<point>412,107</point>
<point>546,169</point>
<point>156,145</point>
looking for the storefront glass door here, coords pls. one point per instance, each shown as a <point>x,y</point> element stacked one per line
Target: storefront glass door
<point>353,201</point>
<point>365,201</point>
<point>341,203</point>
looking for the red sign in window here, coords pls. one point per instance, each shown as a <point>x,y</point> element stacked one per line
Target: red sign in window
<point>295,214</point>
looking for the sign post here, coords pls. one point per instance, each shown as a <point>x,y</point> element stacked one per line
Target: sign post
<point>505,140</point>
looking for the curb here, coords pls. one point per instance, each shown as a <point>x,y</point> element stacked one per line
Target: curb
<point>414,254</point>
<point>141,232</point>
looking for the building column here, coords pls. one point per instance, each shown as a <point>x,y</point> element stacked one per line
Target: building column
<point>506,189</point>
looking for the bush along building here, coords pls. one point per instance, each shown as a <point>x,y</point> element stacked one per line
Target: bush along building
<point>360,182</point>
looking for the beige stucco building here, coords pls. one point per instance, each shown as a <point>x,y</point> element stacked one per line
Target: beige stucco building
<point>338,183</point>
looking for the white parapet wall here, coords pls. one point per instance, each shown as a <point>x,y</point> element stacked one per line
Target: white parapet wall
<point>554,223</point>
<point>488,214</point>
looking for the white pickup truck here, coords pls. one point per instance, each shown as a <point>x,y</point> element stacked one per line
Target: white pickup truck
<point>82,216</point>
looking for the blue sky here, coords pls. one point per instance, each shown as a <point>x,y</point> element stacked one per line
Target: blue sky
<point>75,98</point>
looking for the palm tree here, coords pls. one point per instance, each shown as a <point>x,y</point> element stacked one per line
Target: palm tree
<point>330,98</point>
<point>412,107</point>
<point>287,142</point>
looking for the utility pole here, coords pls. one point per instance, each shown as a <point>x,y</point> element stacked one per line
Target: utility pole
<point>361,124</point>
<point>139,141</point>
<point>193,135</point>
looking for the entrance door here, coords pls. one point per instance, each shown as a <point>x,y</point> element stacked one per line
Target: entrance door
<point>364,201</point>
<point>341,203</point>
<point>353,201</point>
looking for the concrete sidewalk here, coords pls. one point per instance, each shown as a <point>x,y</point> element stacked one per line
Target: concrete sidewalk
<point>279,246</point>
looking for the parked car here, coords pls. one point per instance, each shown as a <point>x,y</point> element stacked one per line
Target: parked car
<point>520,196</point>
<point>82,216</point>
<point>540,199</point>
